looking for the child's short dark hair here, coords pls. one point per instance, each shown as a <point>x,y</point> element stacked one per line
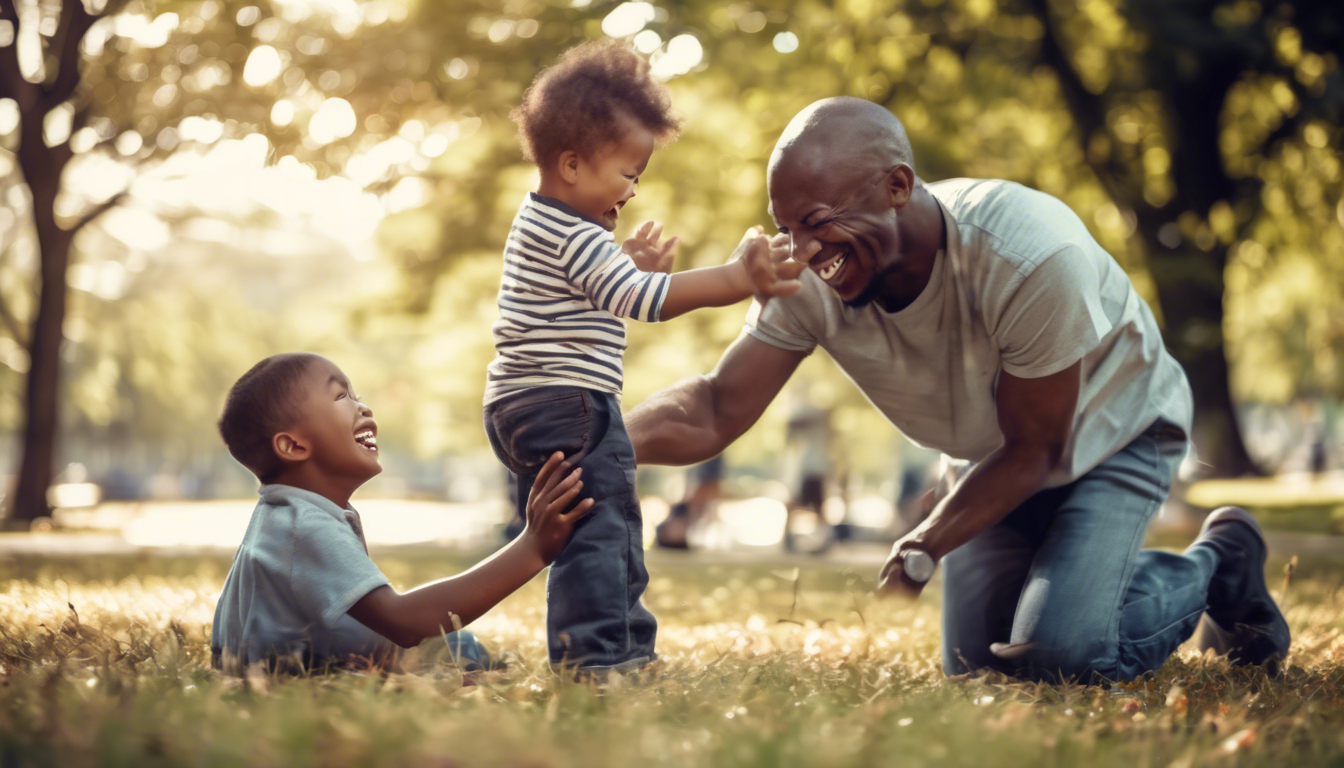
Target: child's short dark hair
<point>259,405</point>
<point>576,103</point>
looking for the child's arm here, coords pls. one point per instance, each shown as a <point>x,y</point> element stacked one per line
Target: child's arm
<point>757,268</point>
<point>429,609</point>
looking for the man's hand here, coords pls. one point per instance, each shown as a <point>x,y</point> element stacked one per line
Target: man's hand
<point>554,490</point>
<point>891,581</point>
<point>767,264</point>
<point>644,249</point>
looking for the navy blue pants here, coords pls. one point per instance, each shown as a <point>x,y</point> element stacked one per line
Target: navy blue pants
<point>594,618</point>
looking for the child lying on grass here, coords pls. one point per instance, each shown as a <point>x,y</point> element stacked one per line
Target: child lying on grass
<point>302,592</point>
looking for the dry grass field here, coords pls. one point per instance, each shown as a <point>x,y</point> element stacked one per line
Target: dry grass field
<point>105,661</point>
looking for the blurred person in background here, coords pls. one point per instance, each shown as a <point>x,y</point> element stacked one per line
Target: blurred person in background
<point>704,488</point>
<point>808,464</point>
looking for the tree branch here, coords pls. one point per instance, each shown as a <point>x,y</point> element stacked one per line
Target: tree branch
<point>1088,109</point>
<point>98,210</point>
<point>11,75</point>
<point>74,24</point>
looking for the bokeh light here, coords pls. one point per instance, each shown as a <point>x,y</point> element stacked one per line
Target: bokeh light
<point>684,53</point>
<point>785,42</point>
<point>627,19</point>
<point>335,119</point>
<point>263,65</point>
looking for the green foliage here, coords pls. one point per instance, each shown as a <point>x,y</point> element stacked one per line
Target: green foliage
<point>1093,103</point>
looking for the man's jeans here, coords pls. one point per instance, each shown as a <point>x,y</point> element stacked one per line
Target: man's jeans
<point>1064,571</point>
<point>594,619</point>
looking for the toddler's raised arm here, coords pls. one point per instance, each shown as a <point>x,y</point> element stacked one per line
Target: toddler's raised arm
<point>758,267</point>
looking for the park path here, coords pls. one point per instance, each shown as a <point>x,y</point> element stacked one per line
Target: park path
<point>215,528</point>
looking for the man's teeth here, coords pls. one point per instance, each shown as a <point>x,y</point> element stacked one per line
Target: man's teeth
<point>829,272</point>
<point>367,439</point>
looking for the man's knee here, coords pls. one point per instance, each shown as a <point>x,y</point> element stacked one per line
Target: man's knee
<point>1084,661</point>
<point>959,661</point>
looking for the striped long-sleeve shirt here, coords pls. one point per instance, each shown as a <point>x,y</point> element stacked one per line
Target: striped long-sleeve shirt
<point>566,286</point>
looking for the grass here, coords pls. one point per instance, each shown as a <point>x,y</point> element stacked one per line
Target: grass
<point>105,662</point>
<point>1306,503</point>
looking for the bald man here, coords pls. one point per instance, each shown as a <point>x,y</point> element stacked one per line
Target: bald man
<point>982,319</point>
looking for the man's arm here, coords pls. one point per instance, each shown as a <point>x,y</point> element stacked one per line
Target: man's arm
<point>696,418</point>
<point>1036,419</point>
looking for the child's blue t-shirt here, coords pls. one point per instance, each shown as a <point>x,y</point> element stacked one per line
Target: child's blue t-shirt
<point>566,287</point>
<point>301,565</point>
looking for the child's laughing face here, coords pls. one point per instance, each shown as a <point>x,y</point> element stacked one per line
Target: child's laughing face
<point>339,430</point>
<point>608,181</point>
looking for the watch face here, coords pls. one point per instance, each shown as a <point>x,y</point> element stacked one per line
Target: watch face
<point>918,566</point>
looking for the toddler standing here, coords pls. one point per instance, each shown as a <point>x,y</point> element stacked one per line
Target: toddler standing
<point>590,123</point>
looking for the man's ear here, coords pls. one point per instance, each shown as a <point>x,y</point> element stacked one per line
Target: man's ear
<point>291,448</point>
<point>900,185</point>
<point>568,165</point>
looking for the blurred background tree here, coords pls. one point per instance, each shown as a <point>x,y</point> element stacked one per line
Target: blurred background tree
<point>340,176</point>
<point>1189,114</point>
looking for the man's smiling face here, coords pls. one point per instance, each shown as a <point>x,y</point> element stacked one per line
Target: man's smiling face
<point>841,220</point>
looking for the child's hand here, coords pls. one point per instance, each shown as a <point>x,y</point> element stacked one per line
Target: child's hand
<point>768,265</point>
<point>644,250</point>
<point>554,490</point>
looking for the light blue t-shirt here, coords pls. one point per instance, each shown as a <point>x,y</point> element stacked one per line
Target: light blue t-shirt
<point>302,564</point>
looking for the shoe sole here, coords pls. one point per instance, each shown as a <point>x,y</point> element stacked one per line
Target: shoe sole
<point>1208,634</point>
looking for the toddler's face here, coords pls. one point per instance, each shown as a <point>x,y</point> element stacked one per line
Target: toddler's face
<point>340,428</point>
<point>611,178</point>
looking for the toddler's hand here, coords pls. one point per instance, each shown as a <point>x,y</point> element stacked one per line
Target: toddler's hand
<point>768,265</point>
<point>644,249</point>
<point>554,490</point>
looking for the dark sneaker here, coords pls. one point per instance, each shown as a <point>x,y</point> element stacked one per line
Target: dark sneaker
<point>674,532</point>
<point>1241,622</point>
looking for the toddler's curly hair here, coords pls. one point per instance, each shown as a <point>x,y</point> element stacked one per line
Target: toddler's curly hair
<point>576,103</point>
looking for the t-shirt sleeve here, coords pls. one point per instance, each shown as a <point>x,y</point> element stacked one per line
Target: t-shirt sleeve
<point>330,570</point>
<point>776,324</point>
<point>597,266</point>
<point>1054,317</point>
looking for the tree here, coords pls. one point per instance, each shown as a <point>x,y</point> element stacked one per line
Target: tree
<point>42,166</point>
<point>176,82</point>
<point>1160,123</point>
<point>1155,104</point>
<point>409,103</point>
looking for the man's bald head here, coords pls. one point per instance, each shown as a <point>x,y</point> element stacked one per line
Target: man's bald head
<point>842,186</point>
<point>841,134</point>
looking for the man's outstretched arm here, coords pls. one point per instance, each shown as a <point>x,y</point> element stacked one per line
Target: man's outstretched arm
<point>696,418</point>
<point>1036,419</point>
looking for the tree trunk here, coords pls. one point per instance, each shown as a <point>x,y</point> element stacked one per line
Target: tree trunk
<point>1190,293</point>
<point>42,170</point>
<point>43,383</point>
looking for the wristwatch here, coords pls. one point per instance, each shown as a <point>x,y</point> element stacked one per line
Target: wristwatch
<point>917,566</point>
